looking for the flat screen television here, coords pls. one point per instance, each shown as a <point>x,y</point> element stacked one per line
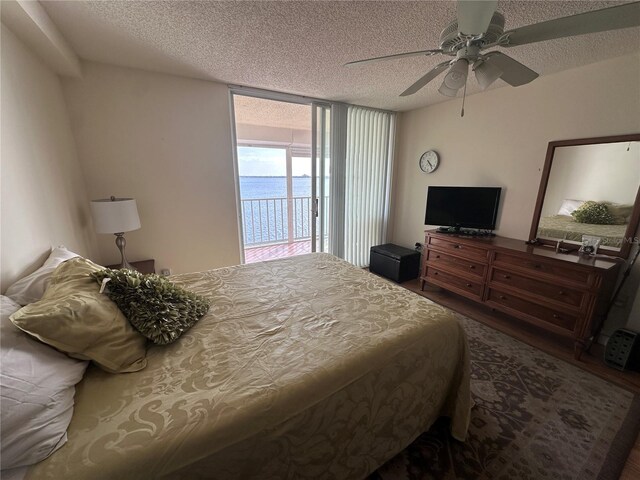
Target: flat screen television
<point>463,207</point>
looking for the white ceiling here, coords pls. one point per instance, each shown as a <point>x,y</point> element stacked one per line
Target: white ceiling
<point>300,47</point>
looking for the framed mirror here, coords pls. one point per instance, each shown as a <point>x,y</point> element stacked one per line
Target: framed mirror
<point>590,187</point>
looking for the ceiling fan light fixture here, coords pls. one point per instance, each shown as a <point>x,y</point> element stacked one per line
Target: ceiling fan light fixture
<point>487,73</point>
<point>449,92</point>
<point>456,77</point>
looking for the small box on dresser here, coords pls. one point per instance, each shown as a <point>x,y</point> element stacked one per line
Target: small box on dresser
<point>561,293</point>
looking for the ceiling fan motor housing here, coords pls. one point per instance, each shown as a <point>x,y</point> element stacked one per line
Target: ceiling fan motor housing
<point>451,40</point>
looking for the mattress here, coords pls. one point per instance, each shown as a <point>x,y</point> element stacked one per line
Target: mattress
<point>565,227</point>
<point>304,367</point>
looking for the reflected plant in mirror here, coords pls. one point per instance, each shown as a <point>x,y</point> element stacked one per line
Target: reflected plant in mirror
<point>590,187</point>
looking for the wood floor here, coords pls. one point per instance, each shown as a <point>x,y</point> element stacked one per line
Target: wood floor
<point>279,250</point>
<point>557,346</point>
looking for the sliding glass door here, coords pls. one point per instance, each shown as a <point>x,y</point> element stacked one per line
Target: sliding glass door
<point>282,161</point>
<point>321,167</point>
<point>329,167</point>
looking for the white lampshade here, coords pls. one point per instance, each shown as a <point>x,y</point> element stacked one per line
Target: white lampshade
<point>455,78</point>
<point>449,92</point>
<point>115,215</point>
<point>487,73</point>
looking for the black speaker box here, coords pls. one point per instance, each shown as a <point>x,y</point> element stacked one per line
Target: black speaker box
<point>623,350</point>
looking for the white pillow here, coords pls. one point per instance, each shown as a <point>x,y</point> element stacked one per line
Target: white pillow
<point>36,394</point>
<point>569,206</point>
<point>31,288</point>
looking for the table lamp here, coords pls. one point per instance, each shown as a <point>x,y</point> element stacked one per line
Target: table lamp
<point>117,216</point>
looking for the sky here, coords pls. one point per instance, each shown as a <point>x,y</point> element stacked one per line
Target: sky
<point>269,162</point>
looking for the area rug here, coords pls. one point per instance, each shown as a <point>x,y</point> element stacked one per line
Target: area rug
<point>535,417</point>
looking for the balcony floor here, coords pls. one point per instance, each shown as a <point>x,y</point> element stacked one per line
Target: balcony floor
<point>281,250</point>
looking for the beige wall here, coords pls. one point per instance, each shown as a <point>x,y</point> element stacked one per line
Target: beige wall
<point>43,198</point>
<point>502,141</point>
<point>165,141</point>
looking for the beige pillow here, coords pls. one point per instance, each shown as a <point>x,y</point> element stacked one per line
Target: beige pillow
<point>73,316</point>
<point>620,211</point>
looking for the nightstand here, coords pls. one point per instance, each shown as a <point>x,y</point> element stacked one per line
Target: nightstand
<point>143,266</point>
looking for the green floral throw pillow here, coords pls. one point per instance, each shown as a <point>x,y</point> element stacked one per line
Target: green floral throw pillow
<point>593,212</point>
<point>158,309</point>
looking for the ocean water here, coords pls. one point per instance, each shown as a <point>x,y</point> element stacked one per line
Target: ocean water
<point>265,210</point>
<point>273,187</point>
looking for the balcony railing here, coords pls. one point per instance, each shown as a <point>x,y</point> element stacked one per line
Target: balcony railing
<point>276,220</point>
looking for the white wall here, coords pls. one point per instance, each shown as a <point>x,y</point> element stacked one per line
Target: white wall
<point>43,198</point>
<point>165,141</point>
<point>502,141</point>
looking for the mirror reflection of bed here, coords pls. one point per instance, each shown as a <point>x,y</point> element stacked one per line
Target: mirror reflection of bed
<point>591,191</point>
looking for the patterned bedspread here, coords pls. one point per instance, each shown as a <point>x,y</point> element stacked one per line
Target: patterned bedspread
<point>565,227</point>
<point>305,367</point>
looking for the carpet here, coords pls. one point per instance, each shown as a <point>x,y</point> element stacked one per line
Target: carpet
<point>535,417</point>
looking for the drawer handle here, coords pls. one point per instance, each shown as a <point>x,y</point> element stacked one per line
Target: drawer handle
<point>537,265</point>
<point>457,246</point>
<point>507,276</point>
<point>437,256</point>
<point>556,316</point>
<point>561,292</point>
<point>435,273</point>
<point>472,267</point>
<point>502,297</point>
<point>469,285</point>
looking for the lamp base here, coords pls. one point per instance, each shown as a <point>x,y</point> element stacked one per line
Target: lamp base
<point>121,243</point>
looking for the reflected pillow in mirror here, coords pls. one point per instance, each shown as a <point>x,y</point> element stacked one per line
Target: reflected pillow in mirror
<point>569,206</point>
<point>620,212</point>
<point>594,213</point>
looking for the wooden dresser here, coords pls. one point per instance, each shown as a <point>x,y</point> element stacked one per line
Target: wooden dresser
<point>562,293</point>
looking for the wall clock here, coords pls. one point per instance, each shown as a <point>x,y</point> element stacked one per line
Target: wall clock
<point>429,161</point>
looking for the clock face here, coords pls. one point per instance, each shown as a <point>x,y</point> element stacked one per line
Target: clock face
<point>429,161</point>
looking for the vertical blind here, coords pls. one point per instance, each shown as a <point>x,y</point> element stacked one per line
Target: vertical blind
<point>369,146</point>
<point>337,187</point>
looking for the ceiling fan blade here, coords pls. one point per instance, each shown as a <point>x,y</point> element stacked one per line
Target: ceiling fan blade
<point>433,73</point>
<point>427,53</point>
<point>474,16</point>
<point>513,72</point>
<point>612,18</point>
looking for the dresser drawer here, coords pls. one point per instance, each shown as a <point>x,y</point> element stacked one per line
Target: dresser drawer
<point>438,259</point>
<point>517,305</point>
<point>560,269</point>
<point>445,279</point>
<point>461,249</point>
<point>564,295</point>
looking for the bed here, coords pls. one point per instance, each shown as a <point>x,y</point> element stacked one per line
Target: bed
<point>304,367</point>
<point>565,227</point>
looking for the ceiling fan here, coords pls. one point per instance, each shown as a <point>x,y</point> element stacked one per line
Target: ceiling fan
<point>479,27</point>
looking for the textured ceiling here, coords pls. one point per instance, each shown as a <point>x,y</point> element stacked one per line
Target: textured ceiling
<point>258,111</point>
<point>301,46</point>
